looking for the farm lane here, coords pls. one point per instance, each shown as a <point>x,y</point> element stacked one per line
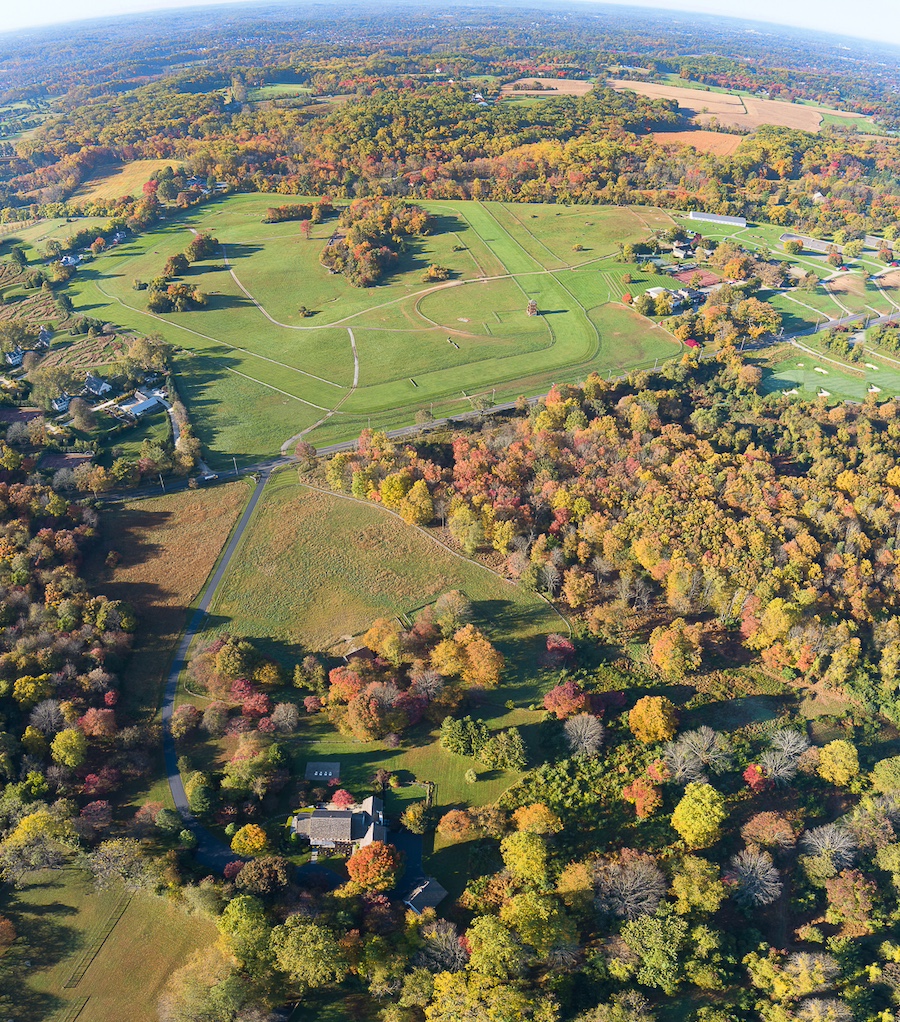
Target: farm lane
<point>210,850</point>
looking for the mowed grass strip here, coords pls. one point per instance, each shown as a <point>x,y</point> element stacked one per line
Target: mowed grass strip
<point>57,913</point>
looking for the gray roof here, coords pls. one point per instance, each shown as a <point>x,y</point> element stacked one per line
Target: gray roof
<point>426,892</point>
<point>326,825</point>
<point>322,771</point>
<point>345,826</point>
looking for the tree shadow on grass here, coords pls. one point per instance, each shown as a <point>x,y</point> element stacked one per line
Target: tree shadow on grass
<point>735,713</point>
<point>43,942</point>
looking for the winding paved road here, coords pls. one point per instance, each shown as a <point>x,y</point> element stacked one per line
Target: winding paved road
<point>210,850</point>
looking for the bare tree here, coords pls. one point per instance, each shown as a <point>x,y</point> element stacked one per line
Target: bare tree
<point>823,1009</point>
<point>47,717</point>
<point>585,734</point>
<point>695,752</point>
<point>428,684</point>
<point>755,878</point>
<point>441,951</point>
<point>286,717</point>
<point>630,886</point>
<point>833,842</point>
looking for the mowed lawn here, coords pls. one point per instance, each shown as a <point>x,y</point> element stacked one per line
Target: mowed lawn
<point>255,371</point>
<point>798,372</point>
<point>60,919</point>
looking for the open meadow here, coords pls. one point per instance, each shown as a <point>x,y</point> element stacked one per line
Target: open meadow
<point>163,548</point>
<point>112,181</point>
<point>280,588</point>
<point>255,371</point>
<point>94,955</point>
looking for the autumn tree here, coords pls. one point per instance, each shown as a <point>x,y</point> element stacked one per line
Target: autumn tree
<point>699,815</point>
<point>249,840</point>
<point>525,856</point>
<point>653,719</point>
<point>308,953</point>
<point>375,867</point>
<point>565,699</point>
<point>839,762</point>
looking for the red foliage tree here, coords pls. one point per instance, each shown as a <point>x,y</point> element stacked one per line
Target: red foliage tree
<point>98,723</point>
<point>643,795</point>
<point>344,684</point>
<point>756,778</point>
<point>565,700</point>
<point>342,799</point>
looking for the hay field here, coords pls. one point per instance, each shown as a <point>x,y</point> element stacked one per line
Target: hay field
<point>112,182</point>
<point>549,87</point>
<point>168,546</point>
<point>728,109</point>
<point>720,143</point>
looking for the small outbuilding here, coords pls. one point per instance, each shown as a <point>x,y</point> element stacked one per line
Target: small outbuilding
<point>323,772</point>
<point>425,893</point>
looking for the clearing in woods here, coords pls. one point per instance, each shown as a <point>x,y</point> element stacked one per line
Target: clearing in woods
<point>112,181</point>
<point>280,587</point>
<point>254,371</point>
<point>720,143</point>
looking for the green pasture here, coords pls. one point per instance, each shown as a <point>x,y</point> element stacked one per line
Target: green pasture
<point>61,921</point>
<point>277,91</point>
<point>255,371</point>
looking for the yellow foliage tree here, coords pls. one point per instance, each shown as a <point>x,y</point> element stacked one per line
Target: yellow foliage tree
<point>653,719</point>
<point>249,840</point>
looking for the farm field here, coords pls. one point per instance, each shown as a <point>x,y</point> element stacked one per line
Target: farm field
<point>548,87</point>
<point>255,372</point>
<point>167,547</point>
<point>114,181</point>
<point>734,109</point>
<point>721,143</point>
<point>60,916</point>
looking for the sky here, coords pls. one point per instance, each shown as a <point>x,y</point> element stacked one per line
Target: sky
<point>869,19</point>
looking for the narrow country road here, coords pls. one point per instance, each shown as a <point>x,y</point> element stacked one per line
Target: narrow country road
<point>210,850</point>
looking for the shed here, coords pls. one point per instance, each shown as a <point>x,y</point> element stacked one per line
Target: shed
<point>323,772</point>
<point>426,892</point>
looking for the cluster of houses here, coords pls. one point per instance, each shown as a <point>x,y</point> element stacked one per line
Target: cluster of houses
<point>96,388</point>
<point>199,184</point>
<point>343,831</point>
<point>16,357</point>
